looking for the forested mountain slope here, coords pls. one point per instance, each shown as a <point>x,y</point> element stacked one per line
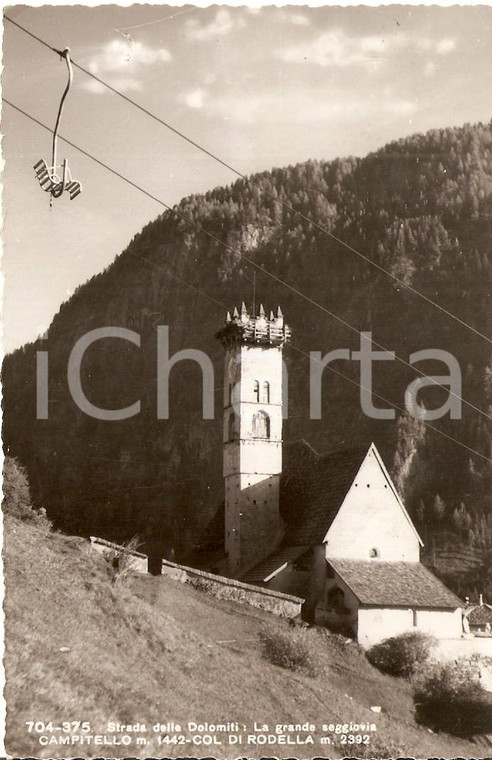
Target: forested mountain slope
<point>420,207</point>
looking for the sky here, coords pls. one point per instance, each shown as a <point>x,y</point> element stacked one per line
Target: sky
<point>260,87</point>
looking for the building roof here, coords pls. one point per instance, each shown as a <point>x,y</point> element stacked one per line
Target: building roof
<point>479,614</point>
<point>275,562</point>
<point>313,489</point>
<point>394,584</point>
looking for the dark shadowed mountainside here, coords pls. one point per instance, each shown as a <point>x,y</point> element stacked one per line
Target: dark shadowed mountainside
<point>420,207</point>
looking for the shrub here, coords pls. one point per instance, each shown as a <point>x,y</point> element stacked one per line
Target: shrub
<point>17,496</point>
<point>448,697</point>
<point>401,655</point>
<point>120,561</point>
<point>291,649</point>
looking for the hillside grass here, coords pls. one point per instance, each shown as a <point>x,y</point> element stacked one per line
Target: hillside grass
<point>79,648</point>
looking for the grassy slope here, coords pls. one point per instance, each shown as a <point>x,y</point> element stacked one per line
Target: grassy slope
<point>158,651</point>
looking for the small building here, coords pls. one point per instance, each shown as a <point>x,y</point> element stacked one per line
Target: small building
<point>479,617</point>
<point>330,528</point>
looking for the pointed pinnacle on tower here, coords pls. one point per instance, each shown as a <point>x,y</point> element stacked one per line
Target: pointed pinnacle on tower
<point>279,320</point>
<point>244,313</point>
<point>245,328</point>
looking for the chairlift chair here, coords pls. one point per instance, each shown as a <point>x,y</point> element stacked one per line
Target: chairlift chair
<point>56,179</point>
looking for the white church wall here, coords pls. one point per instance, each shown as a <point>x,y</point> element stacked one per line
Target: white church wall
<point>376,624</point>
<point>371,518</point>
<point>444,624</point>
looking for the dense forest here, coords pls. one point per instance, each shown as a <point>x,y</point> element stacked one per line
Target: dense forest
<point>421,208</point>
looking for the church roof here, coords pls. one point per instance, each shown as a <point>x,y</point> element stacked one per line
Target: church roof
<point>275,562</point>
<point>394,584</point>
<point>313,488</point>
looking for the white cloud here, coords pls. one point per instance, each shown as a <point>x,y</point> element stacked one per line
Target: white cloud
<point>220,26</point>
<point>121,54</point>
<point>445,46</point>
<point>123,59</point>
<point>298,19</point>
<point>335,48</point>
<point>195,99</point>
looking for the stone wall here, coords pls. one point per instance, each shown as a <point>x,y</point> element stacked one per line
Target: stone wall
<point>284,605</point>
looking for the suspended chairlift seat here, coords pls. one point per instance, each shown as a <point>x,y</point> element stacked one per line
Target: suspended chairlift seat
<point>56,179</point>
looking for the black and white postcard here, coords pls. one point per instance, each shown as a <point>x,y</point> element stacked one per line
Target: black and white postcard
<point>247,381</point>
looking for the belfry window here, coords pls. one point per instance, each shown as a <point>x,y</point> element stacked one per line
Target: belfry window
<point>266,392</point>
<point>256,390</point>
<point>261,425</point>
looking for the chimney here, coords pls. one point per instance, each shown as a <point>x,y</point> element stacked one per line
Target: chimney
<point>480,600</point>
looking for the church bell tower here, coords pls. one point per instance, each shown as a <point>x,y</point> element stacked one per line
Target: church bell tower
<point>252,434</point>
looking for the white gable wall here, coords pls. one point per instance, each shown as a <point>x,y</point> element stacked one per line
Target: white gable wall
<point>372,517</point>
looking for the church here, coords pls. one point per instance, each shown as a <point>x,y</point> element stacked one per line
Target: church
<point>327,527</point>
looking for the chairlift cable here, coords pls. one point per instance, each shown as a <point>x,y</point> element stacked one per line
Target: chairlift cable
<point>252,183</point>
<point>254,264</point>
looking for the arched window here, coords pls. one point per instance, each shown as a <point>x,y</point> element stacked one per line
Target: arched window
<point>256,390</point>
<point>261,425</point>
<point>231,432</point>
<point>374,553</point>
<point>335,600</point>
<point>266,392</point>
